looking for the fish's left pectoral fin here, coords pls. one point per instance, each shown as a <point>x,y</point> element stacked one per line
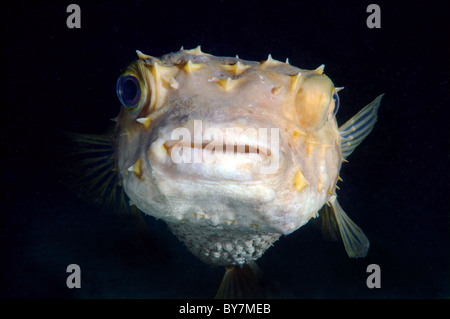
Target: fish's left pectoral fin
<point>355,242</point>
<point>355,130</point>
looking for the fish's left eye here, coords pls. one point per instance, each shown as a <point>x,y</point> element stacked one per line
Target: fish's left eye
<point>128,90</point>
<point>335,98</point>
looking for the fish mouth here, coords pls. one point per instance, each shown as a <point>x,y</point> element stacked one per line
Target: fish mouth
<point>219,148</point>
<point>228,156</point>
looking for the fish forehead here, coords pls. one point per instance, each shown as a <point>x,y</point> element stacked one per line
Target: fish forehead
<point>195,82</point>
<point>198,57</point>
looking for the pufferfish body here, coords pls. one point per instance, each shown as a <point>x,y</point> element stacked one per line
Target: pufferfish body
<point>231,153</point>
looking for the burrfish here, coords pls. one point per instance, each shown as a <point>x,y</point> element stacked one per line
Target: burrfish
<point>231,153</point>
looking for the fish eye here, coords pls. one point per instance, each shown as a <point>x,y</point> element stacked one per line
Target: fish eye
<point>128,90</point>
<point>336,105</point>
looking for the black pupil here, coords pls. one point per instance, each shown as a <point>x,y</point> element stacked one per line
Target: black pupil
<point>128,90</point>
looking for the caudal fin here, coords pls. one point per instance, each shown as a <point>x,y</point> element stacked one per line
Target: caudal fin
<point>240,282</point>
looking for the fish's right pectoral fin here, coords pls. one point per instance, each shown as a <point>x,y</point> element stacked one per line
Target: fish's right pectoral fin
<point>87,166</point>
<point>355,242</point>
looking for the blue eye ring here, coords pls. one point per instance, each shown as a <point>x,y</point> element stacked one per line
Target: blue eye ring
<point>336,103</point>
<point>128,91</point>
<point>332,113</point>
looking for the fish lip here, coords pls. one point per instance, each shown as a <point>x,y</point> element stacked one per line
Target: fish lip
<point>238,157</point>
<point>225,143</point>
<point>211,153</point>
<point>220,147</point>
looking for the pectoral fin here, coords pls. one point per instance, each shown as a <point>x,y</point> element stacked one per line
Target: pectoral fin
<point>88,169</point>
<point>355,242</point>
<point>328,224</point>
<point>355,130</point>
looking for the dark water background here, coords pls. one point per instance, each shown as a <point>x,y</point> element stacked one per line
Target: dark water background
<point>395,185</point>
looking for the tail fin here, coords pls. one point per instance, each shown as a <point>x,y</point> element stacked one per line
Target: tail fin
<point>240,282</point>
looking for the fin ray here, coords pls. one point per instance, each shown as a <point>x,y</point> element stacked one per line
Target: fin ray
<point>328,224</point>
<point>355,130</point>
<point>355,242</point>
<point>89,170</point>
<point>240,282</point>
<point>90,138</point>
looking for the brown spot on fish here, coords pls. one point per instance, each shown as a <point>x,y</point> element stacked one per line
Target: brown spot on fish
<point>277,90</point>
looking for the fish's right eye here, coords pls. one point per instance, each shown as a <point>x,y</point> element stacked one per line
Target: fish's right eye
<point>128,90</point>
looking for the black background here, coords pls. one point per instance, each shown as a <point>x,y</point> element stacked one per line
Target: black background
<point>395,185</point>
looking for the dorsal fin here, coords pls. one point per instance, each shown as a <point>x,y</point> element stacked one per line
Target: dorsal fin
<point>355,130</point>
